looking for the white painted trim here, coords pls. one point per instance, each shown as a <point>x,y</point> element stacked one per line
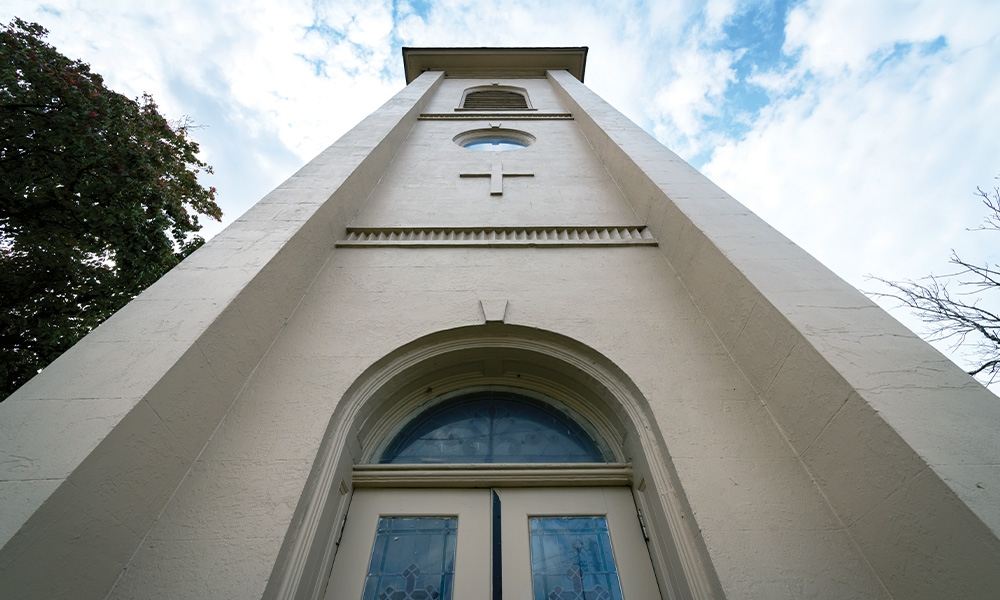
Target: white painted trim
<point>495,87</point>
<point>495,116</point>
<point>328,492</point>
<point>495,475</point>
<point>496,354</point>
<point>494,237</point>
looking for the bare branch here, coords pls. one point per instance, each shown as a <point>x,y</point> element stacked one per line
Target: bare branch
<point>963,318</point>
<point>991,200</point>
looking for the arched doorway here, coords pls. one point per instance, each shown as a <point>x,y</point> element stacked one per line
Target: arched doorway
<point>567,375</point>
<point>561,538</point>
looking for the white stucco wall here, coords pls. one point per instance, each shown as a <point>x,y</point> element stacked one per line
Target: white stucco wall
<point>822,451</point>
<point>746,485</point>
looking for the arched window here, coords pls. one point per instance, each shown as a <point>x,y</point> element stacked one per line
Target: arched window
<point>492,524</point>
<point>495,97</point>
<point>493,426</point>
<point>501,489</point>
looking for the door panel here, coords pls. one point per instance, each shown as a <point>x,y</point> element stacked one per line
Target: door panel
<point>631,557</point>
<point>601,521</point>
<point>407,545</point>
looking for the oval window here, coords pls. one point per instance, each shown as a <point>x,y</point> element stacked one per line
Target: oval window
<point>496,144</point>
<point>494,139</point>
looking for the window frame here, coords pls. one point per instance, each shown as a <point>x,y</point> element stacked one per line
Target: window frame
<point>461,475</point>
<point>544,362</point>
<point>496,87</point>
<point>596,434</point>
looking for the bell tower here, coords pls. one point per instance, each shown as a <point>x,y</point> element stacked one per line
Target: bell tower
<point>560,326</point>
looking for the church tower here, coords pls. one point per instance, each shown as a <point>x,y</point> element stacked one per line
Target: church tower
<point>497,340</point>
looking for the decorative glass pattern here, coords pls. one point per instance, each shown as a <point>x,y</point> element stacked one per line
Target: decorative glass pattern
<point>496,144</point>
<point>413,559</point>
<point>571,559</point>
<point>492,427</point>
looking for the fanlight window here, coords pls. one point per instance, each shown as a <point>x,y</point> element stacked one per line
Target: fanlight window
<point>496,139</point>
<point>493,427</point>
<point>495,97</point>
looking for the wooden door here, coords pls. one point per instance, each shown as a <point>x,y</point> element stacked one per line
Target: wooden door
<point>404,563</point>
<point>596,524</point>
<point>525,532</point>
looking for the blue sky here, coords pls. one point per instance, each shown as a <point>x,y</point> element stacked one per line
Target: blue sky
<point>859,128</point>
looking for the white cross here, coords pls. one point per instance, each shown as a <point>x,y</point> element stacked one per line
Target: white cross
<point>496,176</point>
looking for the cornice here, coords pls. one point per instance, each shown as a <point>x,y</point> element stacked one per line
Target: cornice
<point>520,62</point>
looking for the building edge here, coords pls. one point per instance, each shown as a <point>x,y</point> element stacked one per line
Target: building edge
<point>874,418</point>
<point>169,365</point>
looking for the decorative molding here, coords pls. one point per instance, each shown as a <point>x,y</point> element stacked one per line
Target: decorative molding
<point>463,109</point>
<point>494,131</point>
<point>515,237</point>
<point>494,309</point>
<point>312,539</point>
<point>487,115</point>
<point>495,475</point>
<point>496,174</point>
<point>456,73</point>
<point>494,63</point>
<point>495,97</point>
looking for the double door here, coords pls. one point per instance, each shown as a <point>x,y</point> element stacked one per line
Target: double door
<point>489,544</point>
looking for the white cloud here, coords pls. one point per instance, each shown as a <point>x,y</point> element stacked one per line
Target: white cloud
<point>872,167</point>
<point>700,80</point>
<point>870,164</point>
<point>775,83</point>
<point>717,13</point>
<point>839,34</point>
<point>300,73</point>
<point>240,69</point>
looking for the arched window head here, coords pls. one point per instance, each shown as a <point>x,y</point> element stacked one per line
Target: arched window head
<point>496,139</point>
<point>495,97</point>
<point>493,426</point>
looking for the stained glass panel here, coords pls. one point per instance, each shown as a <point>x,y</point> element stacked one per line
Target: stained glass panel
<point>413,559</point>
<point>496,144</point>
<point>571,559</point>
<point>492,427</point>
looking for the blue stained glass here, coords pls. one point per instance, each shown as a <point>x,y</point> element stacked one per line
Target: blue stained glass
<point>495,144</point>
<point>492,427</point>
<point>571,559</point>
<point>413,559</point>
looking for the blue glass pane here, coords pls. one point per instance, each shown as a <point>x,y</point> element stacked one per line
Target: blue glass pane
<point>571,559</point>
<point>413,559</point>
<point>495,144</point>
<point>492,427</point>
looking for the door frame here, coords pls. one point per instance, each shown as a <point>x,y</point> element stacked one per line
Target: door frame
<point>470,506</point>
<point>615,505</point>
<point>503,355</point>
<point>512,481</point>
<point>492,475</point>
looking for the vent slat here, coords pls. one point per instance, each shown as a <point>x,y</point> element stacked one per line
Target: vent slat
<point>494,100</point>
<point>548,236</point>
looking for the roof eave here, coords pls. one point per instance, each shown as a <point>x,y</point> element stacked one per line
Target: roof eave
<point>494,61</point>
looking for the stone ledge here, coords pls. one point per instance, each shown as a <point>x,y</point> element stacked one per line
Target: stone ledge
<point>485,115</point>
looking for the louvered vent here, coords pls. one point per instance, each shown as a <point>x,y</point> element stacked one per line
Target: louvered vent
<point>494,100</point>
<point>512,237</point>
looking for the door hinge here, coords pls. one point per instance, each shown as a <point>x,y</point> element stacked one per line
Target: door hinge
<point>340,532</point>
<point>642,525</point>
